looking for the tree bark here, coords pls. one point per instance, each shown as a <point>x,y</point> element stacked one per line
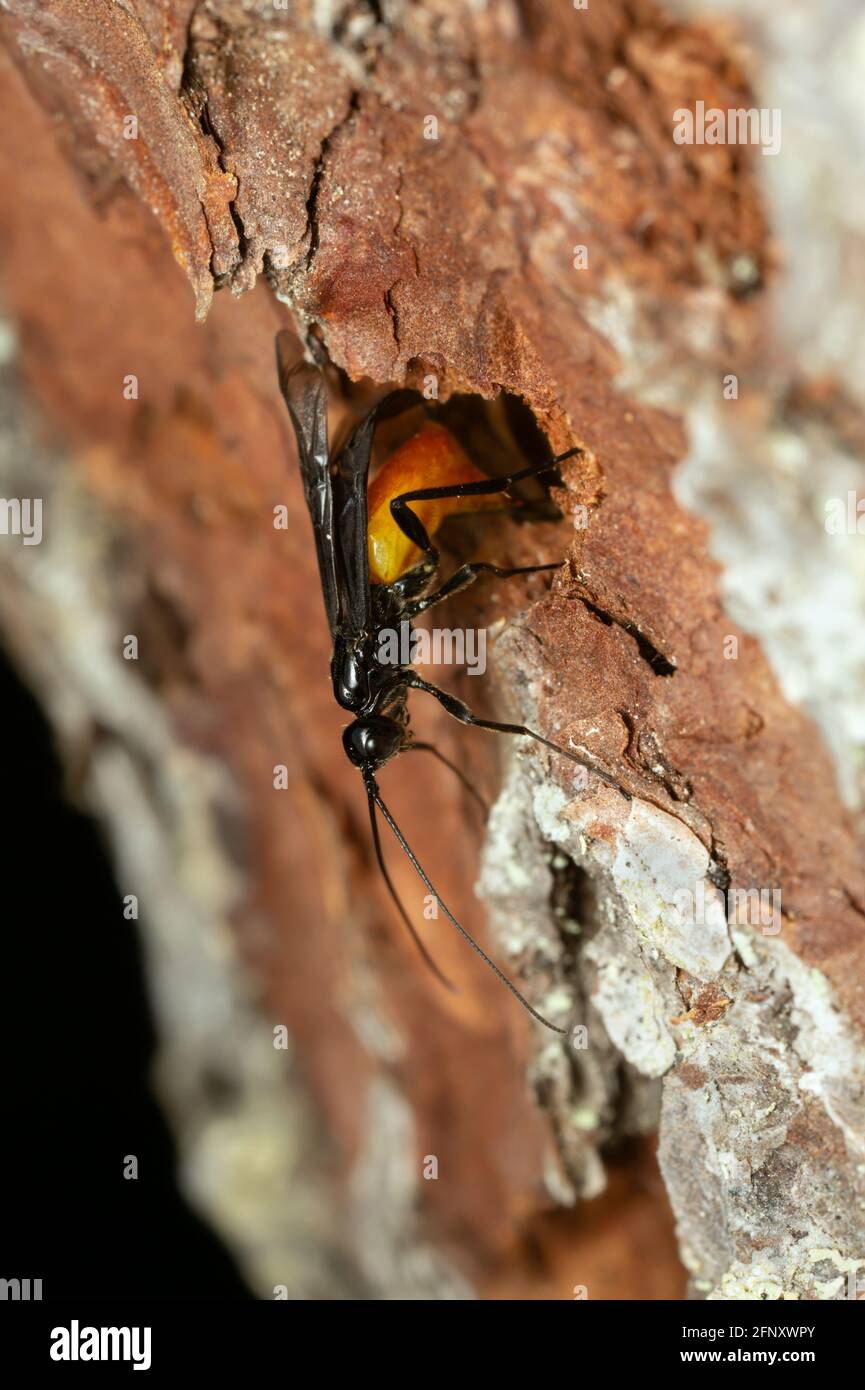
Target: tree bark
<point>486,197</point>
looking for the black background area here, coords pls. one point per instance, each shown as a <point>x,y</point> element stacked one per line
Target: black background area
<point>78,1042</point>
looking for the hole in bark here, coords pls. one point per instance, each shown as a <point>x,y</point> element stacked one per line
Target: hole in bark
<point>573,898</point>
<point>163,639</point>
<point>500,436</point>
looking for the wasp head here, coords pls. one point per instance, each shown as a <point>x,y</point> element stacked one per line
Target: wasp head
<point>372,741</point>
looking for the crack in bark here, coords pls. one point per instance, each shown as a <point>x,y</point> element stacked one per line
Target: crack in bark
<point>661,665</point>
<point>389,302</point>
<point>312,226</point>
<point>192,95</point>
<point>393,314</point>
<point>397,227</point>
<point>209,130</point>
<point>644,753</point>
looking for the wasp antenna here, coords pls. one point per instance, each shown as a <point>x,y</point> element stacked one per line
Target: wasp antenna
<point>375,797</point>
<point>458,772</point>
<point>443,979</point>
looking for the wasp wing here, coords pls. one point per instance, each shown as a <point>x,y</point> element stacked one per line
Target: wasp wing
<point>304,392</point>
<point>352,524</point>
<point>352,465</point>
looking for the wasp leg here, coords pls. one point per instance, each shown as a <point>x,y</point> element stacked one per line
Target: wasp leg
<point>410,523</point>
<point>466,575</point>
<point>462,712</point>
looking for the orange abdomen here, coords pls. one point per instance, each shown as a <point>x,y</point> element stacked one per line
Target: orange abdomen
<point>431,458</point>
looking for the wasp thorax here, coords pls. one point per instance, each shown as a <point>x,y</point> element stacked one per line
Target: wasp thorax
<point>371,742</point>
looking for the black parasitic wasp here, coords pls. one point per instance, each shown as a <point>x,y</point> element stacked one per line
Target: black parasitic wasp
<point>378,566</point>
